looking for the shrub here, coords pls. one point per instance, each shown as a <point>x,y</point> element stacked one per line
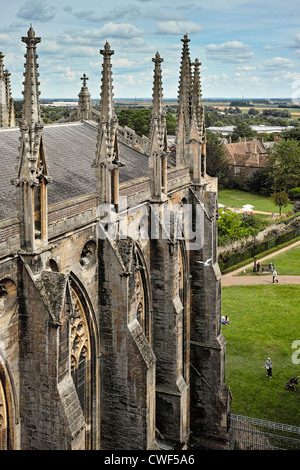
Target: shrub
<point>296,207</point>
<point>294,194</point>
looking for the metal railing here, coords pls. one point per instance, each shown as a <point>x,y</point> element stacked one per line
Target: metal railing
<point>256,434</point>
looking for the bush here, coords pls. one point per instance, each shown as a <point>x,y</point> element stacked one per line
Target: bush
<point>296,207</point>
<point>227,260</point>
<point>294,194</point>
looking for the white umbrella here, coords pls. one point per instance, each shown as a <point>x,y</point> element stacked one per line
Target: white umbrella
<point>247,207</point>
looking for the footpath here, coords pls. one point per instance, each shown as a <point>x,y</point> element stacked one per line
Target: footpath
<point>232,279</point>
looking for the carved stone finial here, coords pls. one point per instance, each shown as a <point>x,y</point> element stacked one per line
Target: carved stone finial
<point>157,59</point>
<point>107,52</point>
<point>84,78</point>
<point>185,39</point>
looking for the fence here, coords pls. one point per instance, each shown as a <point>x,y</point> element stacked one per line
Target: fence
<point>256,434</point>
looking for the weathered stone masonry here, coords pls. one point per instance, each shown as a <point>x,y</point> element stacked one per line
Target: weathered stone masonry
<point>108,342</point>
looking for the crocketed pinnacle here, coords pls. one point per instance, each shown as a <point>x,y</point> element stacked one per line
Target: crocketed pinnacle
<point>1,66</point>
<point>185,81</point>
<point>197,96</point>
<point>107,106</point>
<point>32,161</point>
<point>158,114</point>
<point>107,127</point>
<point>31,104</point>
<point>4,107</point>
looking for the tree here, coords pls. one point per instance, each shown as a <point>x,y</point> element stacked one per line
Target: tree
<point>232,227</point>
<point>139,120</point>
<point>215,161</point>
<point>280,199</point>
<point>292,134</point>
<point>242,129</point>
<point>284,165</point>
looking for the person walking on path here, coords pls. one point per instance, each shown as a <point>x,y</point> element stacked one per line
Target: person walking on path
<point>275,276</point>
<point>268,365</point>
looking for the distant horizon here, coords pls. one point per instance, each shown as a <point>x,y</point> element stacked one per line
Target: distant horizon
<point>168,99</point>
<point>245,47</point>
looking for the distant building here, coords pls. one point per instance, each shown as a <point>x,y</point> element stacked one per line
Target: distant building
<point>261,129</point>
<point>246,156</point>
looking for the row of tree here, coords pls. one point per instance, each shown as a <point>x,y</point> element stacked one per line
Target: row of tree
<point>139,120</point>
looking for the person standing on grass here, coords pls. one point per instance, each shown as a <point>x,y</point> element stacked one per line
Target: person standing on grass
<point>274,276</point>
<point>268,365</point>
<point>258,267</point>
<point>254,265</point>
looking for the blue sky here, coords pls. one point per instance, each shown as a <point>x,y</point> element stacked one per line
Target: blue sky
<point>248,48</point>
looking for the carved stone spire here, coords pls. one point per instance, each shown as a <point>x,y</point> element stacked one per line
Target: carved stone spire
<point>9,100</point>
<point>198,110</point>
<point>158,136</point>
<point>184,104</point>
<point>84,103</point>
<point>107,153</point>
<point>32,172</point>
<point>1,66</point>
<point>197,96</point>
<point>31,105</point>
<point>4,111</point>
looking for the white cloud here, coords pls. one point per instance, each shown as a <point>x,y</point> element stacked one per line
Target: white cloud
<point>36,10</point>
<point>190,7</point>
<point>65,73</point>
<point>271,48</point>
<point>295,42</point>
<point>178,27</point>
<point>291,76</point>
<point>122,63</point>
<point>246,68</point>
<point>276,64</point>
<point>5,40</point>
<point>119,30</point>
<point>213,80</point>
<point>232,51</point>
<point>117,13</point>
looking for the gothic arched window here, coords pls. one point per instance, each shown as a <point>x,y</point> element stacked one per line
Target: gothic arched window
<point>3,420</point>
<point>142,298</point>
<point>75,351</point>
<point>80,352</point>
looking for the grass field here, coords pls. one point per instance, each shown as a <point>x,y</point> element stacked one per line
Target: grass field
<point>237,199</point>
<point>287,263</point>
<point>295,112</point>
<point>264,322</point>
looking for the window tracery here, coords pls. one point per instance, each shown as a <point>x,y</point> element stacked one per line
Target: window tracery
<point>79,349</point>
<point>3,420</point>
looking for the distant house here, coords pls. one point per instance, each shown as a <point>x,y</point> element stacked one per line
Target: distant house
<point>246,156</point>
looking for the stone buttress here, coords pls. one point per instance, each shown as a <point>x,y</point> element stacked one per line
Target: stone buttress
<point>127,363</point>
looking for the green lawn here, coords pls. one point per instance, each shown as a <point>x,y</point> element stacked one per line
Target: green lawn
<point>236,198</point>
<point>287,263</point>
<point>264,322</point>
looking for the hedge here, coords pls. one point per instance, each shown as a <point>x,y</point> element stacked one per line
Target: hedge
<point>227,260</point>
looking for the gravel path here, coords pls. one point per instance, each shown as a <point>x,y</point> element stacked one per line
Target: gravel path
<point>232,279</point>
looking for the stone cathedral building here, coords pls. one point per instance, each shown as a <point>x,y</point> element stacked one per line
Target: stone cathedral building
<point>109,339</point>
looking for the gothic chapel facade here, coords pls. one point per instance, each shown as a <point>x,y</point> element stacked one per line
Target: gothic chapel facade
<point>108,342</point>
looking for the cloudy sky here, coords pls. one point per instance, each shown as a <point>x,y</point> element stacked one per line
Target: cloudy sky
<point>248,48</point>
